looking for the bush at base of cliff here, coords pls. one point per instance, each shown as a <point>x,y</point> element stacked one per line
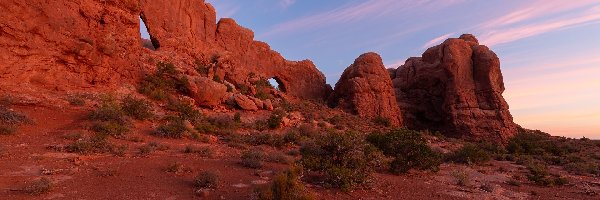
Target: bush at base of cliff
<point>408,148</point>
<point>344,159</point>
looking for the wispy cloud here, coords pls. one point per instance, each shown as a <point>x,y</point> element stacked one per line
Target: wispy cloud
<point>436,40</point>
<point>286,3</point>
<point>225,9</point>
<point>369,9</point>
<point>525,22</point>
<point>395,65</point>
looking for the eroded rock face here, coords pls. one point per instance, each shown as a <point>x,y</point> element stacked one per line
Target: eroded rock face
<point>297,78</point>
<point>60,44</point>
<point>97,43</point>
<point>455,87</point>
<point>365,89</point>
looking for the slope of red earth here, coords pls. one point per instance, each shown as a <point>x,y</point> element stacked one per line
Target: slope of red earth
<point>30,154</point>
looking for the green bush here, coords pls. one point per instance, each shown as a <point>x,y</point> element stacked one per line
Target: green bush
<point>184,109</point>
<point>285,186</point>
<point>538,173</point>
<point>96,144</point>
<point>76,101</point>
<point>274,121</point>
<point>408,148</point>
<point>38,187</point>
<point>206,179</point>
<point>137,108</point>
<point>253,158</point>
<point>110,128</point>
<point>8,116</point>
<point>382,121</point>
<point>165,80</point>
<point>174,128</point>
<point>471,154</point>
<point>7,129</point>
<point>273,140</point>
<point>344,159</point>
<point>108,111</point>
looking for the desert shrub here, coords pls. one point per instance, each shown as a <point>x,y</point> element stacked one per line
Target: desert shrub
<point>206,179</point>
<point>95,144</point>
<point>137,108</point>
<point>184,109</point>
<point>382,121</point>
<point>147,149</point>
<point>344,159</point>
<point>108,110</point>
<point>253,158</point>
<point>202,151</point>
<point>538,173</point>
<point>7,129</point>
<point>583,167</point>
<point>292,136</point>
<point>174,128</point>
<point>408,148</point>
<point>40,186</point>
<point>237,118</point>
<point>76,100</point>
<point>262,95</point>
<point>175,167</point>
<point>278,157</point>
<point>165,80</point>
<point>10,117</point>
<point>274,121</point>
<point>220,125</point>
<point>273,140</point>
<point>471,154</point>
<point>110,128</point>
<point>202,69</point>
<point>462,177</point>
<point>285,186</point>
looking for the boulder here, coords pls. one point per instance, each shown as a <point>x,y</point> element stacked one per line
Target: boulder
<point>456,88</point>
<point>206,92</point>
<point>268,105</point>
<point>244,102</point>
<point>365,89</point>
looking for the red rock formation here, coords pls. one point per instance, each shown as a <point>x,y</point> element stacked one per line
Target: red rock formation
<point>97,43</point>
<point>366,89</point>
<point>68,43</point>
<point>206,92</point>
<point>456,88</point>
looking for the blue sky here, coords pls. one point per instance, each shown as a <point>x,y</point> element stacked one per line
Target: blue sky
<point>549,49</point>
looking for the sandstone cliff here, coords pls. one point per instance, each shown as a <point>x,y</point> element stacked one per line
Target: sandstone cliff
<point>96,43</point>
<point>365,89</point>
<point>455,87</point>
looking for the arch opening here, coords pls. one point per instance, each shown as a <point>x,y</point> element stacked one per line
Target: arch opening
<point>277,84</point>
<point>148,41</point>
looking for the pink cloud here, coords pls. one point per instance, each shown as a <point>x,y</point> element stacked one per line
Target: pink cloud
<point>350,13</point>
<point>522,23</point>
<point>436,40</point>
<point>500,37</point>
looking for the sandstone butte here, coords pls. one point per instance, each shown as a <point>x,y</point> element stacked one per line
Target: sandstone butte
<point>73,45</point>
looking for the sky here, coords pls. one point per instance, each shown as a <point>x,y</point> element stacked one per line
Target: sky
<point>549,49</point>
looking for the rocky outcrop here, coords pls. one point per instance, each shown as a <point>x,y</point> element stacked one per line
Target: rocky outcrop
<point>365,89</point>
<point>245,102</point>
<point>300,79</point>
<point>206,92</point>
<point>184,26</point>
<point>95,43</point>
<point>455,87</point>
<point>60,44</point>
